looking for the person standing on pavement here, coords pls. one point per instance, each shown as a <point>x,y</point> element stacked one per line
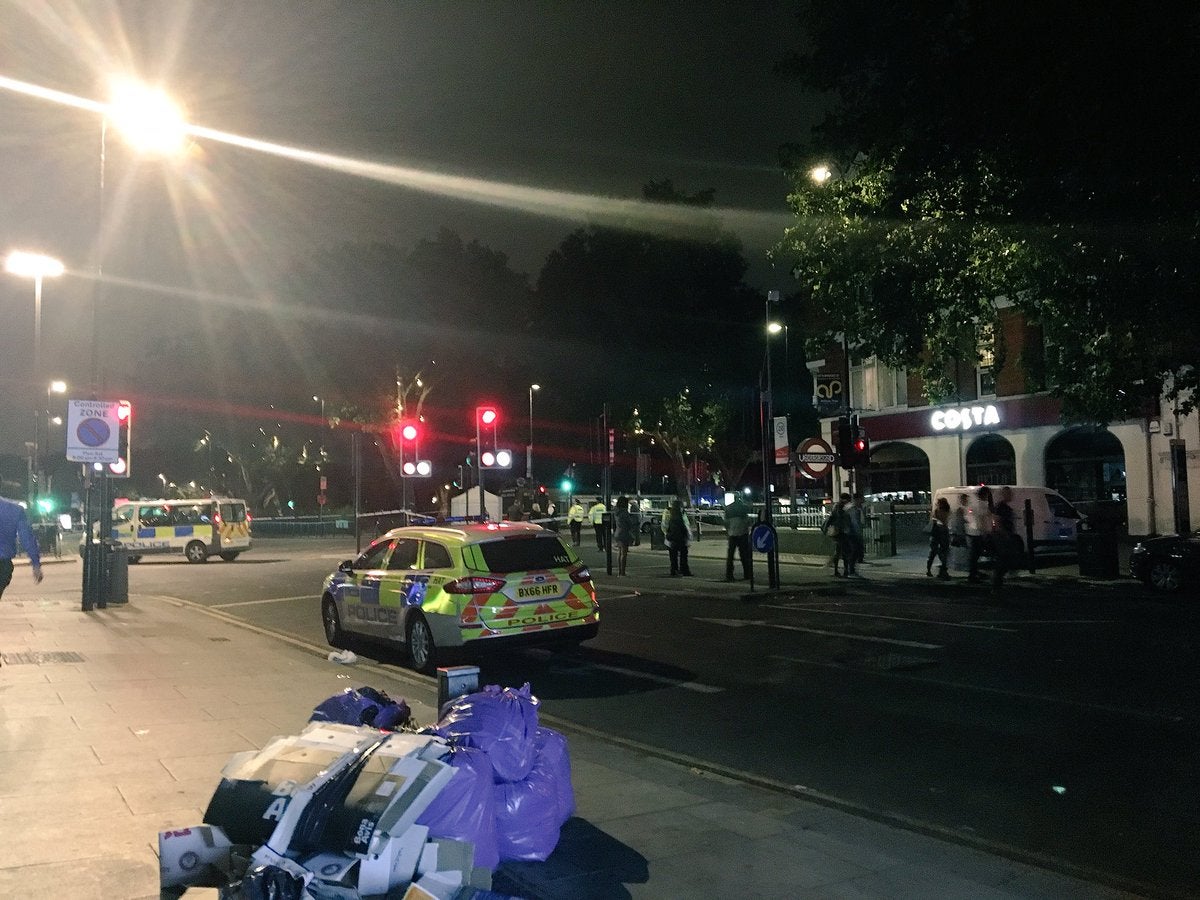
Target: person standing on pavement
<point>596,516</point>
<point>851,539</point>
<point>858,528</point>
<point>737,530</point>
<point>978,526</point>
<point>958,533</point>
<point>13,525</point>
<point>939,538</point>
<point>835,527</point>
<point>625,532</point>
<point>1004,537</point>
<point>575,520</point>
<point>677,531</point>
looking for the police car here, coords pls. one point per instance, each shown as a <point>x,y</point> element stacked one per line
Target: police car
<point>470,586</point>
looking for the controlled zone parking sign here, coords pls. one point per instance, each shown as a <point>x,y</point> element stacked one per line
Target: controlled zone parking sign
<point>93,431</point>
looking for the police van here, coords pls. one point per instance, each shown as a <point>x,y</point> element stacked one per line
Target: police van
<point>213,526</point>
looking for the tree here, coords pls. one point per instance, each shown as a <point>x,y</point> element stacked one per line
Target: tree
<point>682,426</point>
<point>1028,155</point>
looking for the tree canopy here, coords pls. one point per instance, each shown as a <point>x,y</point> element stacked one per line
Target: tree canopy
<point>983,155</point>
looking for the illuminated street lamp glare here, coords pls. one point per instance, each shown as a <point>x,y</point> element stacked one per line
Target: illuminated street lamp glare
<point>32,265</point>
<point>149,120</point>
<point>774,327</point>
<point>820,174</point>
<point>58,387</point>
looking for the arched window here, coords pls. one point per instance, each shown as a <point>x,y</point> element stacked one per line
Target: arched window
<point>1086,464</point>
<point>991,460</point>
<point>901,469</point>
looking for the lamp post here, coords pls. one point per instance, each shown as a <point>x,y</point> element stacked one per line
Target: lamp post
<point>38,267</point>
<point>529,449</point>
<point>766,410</point>
<point>152,124</point>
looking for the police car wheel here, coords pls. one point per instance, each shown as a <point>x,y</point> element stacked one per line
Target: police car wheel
<point>196,552</point>
<point>422,652</point>
<point>332,623</point>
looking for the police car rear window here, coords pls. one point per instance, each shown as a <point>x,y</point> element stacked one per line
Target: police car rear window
<point>524,553</point>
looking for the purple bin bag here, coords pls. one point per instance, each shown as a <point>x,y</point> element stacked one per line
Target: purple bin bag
<point>501,722</point>
<point>527,825</point>
<point>465,808</point>
<point>554,758</point>
<point>364,706</point>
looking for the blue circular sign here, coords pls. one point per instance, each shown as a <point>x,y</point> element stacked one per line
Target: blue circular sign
<point>763,538</point>
<point>93,432</point>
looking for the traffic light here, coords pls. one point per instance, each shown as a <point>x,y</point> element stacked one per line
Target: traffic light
<point>121,468</point>
<point>409,432</point>
<point>487,416</point>
<point>417,468</point>
<point>845,443</point>
<point>496,459</point>
<point>566,487</point>
<point>862,448</point>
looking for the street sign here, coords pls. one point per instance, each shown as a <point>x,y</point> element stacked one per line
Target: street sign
<point>93,431</point>
<point>324,483</point>
<point>815,457</point>
<point>321,499</point>
<point>763,538</point>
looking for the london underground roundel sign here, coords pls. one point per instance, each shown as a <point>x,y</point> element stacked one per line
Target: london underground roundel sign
<point>815,457</point>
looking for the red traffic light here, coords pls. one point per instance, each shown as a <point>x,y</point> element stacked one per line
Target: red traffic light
<point>860,445</point>
<point>409,431</point>
<point>486,415</point>
<point>124,410</point>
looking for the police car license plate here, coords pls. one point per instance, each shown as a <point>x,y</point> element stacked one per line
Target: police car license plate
<point>537,590</point>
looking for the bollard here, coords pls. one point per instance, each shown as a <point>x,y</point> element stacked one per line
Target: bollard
<point>454,682</point>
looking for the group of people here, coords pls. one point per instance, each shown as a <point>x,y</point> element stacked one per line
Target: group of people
<point>676,528</point>
<point>978,525</point>
<point>844,525</point>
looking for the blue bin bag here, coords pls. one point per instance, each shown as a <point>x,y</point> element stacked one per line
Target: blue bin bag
<point>554,757</point>
<point>502,722</point>
<point>465,810</point>
<point>364,706</point>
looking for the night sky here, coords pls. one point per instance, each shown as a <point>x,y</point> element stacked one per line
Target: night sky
<point>583,98</point>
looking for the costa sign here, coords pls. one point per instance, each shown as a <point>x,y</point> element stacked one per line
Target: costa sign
<point>964,418</point>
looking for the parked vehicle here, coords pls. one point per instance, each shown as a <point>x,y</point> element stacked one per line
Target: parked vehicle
<point>196,528</point>
<point>1055,519</point>
<point>472,586</point>
<point>1169,564</point>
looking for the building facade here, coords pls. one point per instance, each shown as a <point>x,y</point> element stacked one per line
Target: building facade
<point>1004,428</point>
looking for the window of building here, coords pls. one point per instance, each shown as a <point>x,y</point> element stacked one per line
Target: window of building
<point>985,373</point>
<point>875,386</point>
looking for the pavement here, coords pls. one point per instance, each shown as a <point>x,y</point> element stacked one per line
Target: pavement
<point>115,724</point>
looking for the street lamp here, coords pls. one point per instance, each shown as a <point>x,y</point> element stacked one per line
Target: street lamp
<point>35,266</point>
<point>152,124</point>
<point>529,449</point>
<point>767,430</point>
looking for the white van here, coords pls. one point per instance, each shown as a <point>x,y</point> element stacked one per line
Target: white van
<point>196,528</point>
<point>1055,520</point>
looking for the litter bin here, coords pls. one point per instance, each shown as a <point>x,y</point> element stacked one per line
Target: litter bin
<point>116,563</point>
<point>658,540</point>
<point>1098,554</point>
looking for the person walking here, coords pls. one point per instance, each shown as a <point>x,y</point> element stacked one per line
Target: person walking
<point>14,524</point>
<point>596,517</point>
<point>737,531</point>
<point>678,533</point>
<point>625,533</point>
<point>939,538</point>
<point>575,520</point>
<point>1004,537</point>
<point>978,525</point>
<point>851,539</point>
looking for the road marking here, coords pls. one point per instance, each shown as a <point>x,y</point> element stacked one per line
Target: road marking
<point>982,689</point>
<point>661,679</point>
<point>742,623</point>
<point>1053,622</point>
<point>618,596</point>
<point>256,602</point>
<point>838,612</point>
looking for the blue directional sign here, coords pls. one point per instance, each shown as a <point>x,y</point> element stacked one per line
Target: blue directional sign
<point>763,538</point>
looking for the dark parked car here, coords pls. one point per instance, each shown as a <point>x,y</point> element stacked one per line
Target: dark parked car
<point>1168,564</point>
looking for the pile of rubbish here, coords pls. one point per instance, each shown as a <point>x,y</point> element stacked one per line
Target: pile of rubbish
<point>363,803</point>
